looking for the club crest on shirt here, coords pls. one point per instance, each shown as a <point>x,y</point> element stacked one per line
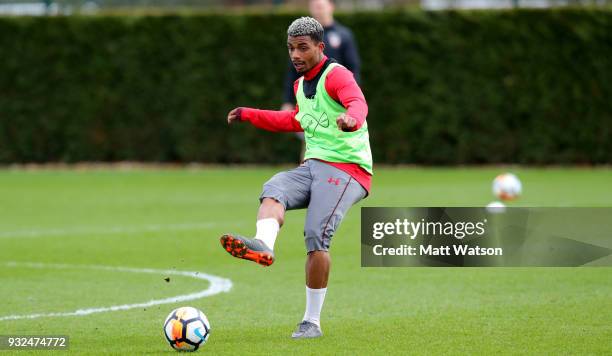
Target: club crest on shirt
<point>334,39</point>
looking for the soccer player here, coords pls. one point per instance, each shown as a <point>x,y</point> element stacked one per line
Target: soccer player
<point>339,44</point>
<point>336,173</point>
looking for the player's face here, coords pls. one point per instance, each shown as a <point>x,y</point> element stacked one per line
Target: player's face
<point>304,52</point>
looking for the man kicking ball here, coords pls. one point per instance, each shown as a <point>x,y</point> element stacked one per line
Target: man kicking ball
<point>337,169</point>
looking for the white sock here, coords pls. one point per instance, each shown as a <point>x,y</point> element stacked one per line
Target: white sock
<point>314,304</point>
<point>267,229</point>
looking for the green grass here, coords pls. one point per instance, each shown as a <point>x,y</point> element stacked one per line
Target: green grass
<point>172,219</point>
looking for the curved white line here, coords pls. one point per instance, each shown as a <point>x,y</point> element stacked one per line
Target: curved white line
<point>217,285</point>
<point>105,230</point>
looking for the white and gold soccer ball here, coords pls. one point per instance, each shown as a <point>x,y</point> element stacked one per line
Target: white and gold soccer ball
<point>507,186</point>
<point>186,329</point>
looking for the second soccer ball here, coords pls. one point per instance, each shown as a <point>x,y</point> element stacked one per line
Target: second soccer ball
<point>507,186</point>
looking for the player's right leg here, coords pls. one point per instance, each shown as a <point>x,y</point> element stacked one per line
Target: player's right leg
<point>285,191</point>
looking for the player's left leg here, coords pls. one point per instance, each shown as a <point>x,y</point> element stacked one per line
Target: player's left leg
<point>333,192</point>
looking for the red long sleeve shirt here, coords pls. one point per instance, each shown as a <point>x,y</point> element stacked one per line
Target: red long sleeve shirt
<point>340,86</point>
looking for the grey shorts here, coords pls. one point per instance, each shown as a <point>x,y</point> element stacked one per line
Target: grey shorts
<point>325,190</point>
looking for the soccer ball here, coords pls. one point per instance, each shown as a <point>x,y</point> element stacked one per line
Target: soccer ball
<point>186,329</point>
<point>507,186</point>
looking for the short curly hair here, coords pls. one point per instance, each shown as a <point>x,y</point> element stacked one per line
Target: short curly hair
<point>306,26</point>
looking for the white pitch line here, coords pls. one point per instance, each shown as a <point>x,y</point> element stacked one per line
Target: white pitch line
<point>108,230</point>
<point>217,285</point>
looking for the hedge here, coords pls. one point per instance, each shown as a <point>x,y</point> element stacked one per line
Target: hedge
<point>521,86</point>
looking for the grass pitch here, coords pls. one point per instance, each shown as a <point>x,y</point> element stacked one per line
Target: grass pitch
<point>172,219</point>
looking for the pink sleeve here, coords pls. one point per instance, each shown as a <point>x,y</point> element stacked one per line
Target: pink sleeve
<point>342,87</point>
<point>271,120</point>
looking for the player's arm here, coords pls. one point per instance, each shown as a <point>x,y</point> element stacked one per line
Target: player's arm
<point>271,120</point>
<point>343,88</point>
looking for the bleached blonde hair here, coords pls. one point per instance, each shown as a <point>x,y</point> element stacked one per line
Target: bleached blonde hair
<point>306,26</point>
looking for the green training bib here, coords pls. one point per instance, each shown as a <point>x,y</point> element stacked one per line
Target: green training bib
<point>324,140</point>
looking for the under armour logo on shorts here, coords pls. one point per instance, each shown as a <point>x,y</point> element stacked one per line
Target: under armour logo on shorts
<point>333,181</point>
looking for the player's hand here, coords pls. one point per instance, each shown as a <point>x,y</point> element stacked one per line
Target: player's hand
<point>346,122</point>
<point>234,116</point>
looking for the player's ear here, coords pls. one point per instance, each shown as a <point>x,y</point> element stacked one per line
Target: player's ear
<point>322,46</point>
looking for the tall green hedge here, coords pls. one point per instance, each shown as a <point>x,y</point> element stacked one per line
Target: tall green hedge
<point>442,87</point>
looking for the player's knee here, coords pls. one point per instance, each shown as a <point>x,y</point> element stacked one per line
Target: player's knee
<point>315,241</point>
<point>273,197</point>
<point>311,233</point>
